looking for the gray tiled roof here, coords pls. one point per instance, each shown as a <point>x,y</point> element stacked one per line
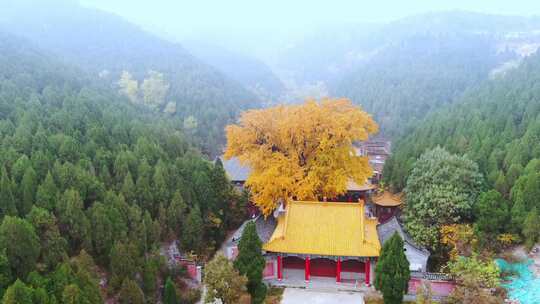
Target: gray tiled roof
<point>264,227</point>
<point>388,229</point>
<point>235,170</point>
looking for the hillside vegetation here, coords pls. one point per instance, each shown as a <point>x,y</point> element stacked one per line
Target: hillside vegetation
<point>498,127</point>
<point>92,182</point>
<point>106,45</point>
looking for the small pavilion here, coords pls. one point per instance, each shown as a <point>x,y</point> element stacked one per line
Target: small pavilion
<point>386,205</point>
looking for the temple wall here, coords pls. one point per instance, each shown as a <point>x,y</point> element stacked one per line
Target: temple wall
<point>439,288</point>
<point>270,269</point>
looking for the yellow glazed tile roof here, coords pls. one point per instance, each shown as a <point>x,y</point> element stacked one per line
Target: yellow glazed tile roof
<point>387,199</point>
<point>352,186</point>
<point>325,228</point>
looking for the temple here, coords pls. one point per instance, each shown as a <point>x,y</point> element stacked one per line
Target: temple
<point>337,238</point>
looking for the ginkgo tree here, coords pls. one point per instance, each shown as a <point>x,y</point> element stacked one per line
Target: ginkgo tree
<point>301,151</point>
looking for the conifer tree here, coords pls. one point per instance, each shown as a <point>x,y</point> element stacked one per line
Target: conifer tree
<point>176,213</point>
<point>492,216</point>
<point>392,273</point>
<point>144,193</point>
<point>21,244</point>
<point>102,232</point>
<point>250,262</point>
<point>47,193</point>
<point>18,293</point>
<point>105,175</point>
<point>161,186</point>
<point>531,228</point>
<point>6,276</point>
<point>73,221</point>
<point>124,264</point>
<point>28,189</point>
<point>170,296</point>
<point>53,245</point>
<point>192,233</point>
<point>128,188</point>
<point>131,293</point>
<point>7,200</point>
<point>72,294</point>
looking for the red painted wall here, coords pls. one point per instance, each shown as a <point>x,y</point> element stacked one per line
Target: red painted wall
<point>268,271</point>
<point>352,266</point>
<point>323,267</point>
<point>439,288</point>
<point>293,262</point>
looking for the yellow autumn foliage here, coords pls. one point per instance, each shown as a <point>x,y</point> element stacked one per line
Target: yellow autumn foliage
<point>303,151</point>
<point>460,238</point>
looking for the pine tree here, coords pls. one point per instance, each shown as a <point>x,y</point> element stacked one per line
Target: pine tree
<point>128,188</point>
<point>250,262</point>
<point>28,188</point>
<point>6,276</point>
<point>73,221</point>
<point>161,186</point>
<point>143,190</point>
<point>105,175</point>
<point>170,296</point>
<point>150,277</point>
<point>531,228</point>
<point>18,293</point>
<point>176,213</point>
<point>47,193</point>
<point>192,235</point>
<point>53,245</point>
<point>7,200</point>
<point>492,216</point>
<point>72,294</point>
<point>124,263</point>
<point>392,273</point>
<point>102,232</point>
<point>21,244</point>
<point>131,293</point>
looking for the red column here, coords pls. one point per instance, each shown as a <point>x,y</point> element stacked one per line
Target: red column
<point>367,269</point>
<point>279,268</point>
<point>338,271</point>
<point>307,269</point>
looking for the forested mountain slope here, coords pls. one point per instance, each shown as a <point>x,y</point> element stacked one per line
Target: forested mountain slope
<point>422,63</point>
<point>405,69</point>
<point>411,78</point>
<point>497,125</point>
<point>106,45</point>
<point>254,74</point>
<point>91,182</point>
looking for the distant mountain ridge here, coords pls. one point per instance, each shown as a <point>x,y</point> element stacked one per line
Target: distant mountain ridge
<point>106,45</point>
<point>403,70</point>
<point>254,74</point>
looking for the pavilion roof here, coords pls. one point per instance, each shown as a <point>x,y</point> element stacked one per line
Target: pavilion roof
<point>387,199</point>
<point>352,186</point>
<point>325,228</point>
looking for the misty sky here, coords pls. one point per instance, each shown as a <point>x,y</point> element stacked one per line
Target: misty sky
<point>185,17</point>
<point>241,24</point>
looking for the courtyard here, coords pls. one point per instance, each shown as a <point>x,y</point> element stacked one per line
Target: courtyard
<point>301,296</point>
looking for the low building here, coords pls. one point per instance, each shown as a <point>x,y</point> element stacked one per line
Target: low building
<point>324,239</point>
<point>338,240</point>
<point>416,254</point>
